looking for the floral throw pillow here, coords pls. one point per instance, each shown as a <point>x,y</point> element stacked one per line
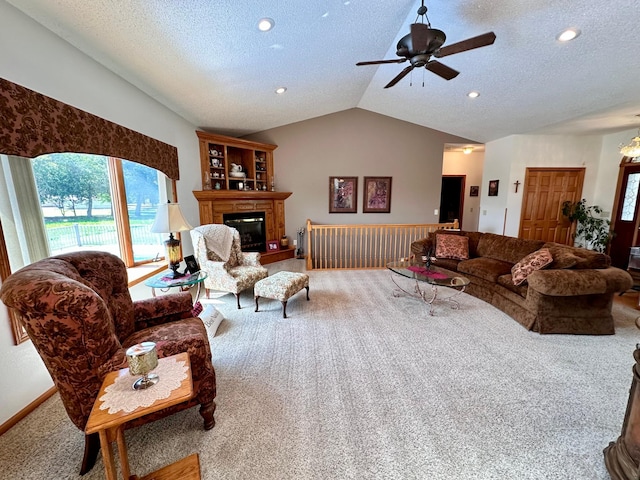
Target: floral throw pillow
<point>452,246</point>
<point>529,264</point>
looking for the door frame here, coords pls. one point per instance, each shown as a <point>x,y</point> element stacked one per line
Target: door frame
<point>463,184</point>
<point>625,163</point>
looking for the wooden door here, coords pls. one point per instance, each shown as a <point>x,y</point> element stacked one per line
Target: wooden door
<point>626,219</point>
<point>545,189</point>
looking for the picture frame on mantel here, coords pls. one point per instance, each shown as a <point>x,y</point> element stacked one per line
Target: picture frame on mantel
<point>377,195</point>
<point>343,194</point>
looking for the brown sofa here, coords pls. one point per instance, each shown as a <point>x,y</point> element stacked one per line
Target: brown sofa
<point>573,294</point>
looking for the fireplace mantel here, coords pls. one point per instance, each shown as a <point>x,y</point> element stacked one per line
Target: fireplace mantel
<point>213,204</point>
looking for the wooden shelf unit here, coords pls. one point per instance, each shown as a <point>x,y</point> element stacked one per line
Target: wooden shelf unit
<point>219,152</point>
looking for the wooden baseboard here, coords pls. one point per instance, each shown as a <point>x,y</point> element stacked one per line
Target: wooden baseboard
<point>27,410</point>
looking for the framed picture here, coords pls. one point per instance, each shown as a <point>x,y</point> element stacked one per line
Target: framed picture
<point>192,265</point>
<point>377,195</point>
<point>493,188</point>
<point>273,246</point>
<point>343,194</point>
<point>473,190</point>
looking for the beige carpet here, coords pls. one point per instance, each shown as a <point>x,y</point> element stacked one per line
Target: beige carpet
<point>358,384</point>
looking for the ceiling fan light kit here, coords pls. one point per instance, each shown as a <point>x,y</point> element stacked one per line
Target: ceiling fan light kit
<point>424,42</point>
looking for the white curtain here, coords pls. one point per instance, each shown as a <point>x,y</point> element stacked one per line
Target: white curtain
<point>20,212</point>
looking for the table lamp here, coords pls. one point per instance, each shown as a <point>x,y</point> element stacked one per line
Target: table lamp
<point>169,219</point>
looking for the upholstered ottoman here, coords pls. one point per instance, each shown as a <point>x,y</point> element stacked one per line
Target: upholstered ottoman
<point>281,286</point>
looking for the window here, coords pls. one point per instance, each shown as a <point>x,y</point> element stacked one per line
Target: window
<point>66,202</point>
<point>92,202</point>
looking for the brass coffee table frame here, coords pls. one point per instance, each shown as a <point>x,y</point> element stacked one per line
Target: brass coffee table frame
<point>429,295</point>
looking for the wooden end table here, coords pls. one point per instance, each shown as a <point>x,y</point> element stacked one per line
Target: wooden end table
<point>110,428</point>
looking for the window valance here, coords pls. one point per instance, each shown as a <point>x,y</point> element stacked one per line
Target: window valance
<point>32,124</point>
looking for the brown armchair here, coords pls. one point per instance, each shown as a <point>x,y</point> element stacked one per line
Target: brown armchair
<point>77,310</point>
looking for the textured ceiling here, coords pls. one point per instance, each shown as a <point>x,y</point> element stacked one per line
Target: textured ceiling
<point>207,61</point>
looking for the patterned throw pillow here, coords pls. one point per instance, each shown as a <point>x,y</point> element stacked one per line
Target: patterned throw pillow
<point>452,246</point>
<point>529,264</point>
<point>197,309</point>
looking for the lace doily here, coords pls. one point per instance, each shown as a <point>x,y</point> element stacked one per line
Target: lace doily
<point>120,395</point>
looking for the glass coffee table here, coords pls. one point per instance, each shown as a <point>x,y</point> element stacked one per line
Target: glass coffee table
<point>432,278</point>
<point>164,282</point>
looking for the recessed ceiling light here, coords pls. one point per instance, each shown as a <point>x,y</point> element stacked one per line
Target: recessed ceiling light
<point>265,24</point>
<point>473,94</point>
<point>281,90</point>
<point>325,14</point>
<point>568,34</point>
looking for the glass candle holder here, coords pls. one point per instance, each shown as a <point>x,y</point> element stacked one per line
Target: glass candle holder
<point>142,359</point>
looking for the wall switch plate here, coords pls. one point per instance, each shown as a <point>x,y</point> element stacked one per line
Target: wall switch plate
<point>435,212</point>
<point>295,243</point>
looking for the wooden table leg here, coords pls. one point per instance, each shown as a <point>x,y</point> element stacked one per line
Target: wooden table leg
<point>122,452</point>
<point>107,456</point>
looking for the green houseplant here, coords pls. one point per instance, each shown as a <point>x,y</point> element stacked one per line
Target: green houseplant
<point>591,231</point>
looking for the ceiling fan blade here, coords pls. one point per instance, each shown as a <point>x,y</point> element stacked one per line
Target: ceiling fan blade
<point>468,44</point>
<point>441,69</point>
<point>379,62</point>
<point>399,77</point>
<point>419,37</point>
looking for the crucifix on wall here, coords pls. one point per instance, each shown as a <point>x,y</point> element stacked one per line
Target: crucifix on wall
<point>517,184</point>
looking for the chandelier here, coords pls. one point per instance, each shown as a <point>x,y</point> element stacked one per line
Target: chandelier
<point>633,149</point>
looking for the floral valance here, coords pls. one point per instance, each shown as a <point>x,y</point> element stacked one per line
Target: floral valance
<point>32,124</point>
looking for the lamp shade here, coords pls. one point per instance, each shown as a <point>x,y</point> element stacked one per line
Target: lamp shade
<point>169,219</point>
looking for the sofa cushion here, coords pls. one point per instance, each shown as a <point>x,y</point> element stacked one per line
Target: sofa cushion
<point>507,282</point>
<point>583,258</point>
<point>452,246</point>
<point>448,263</point>
<point>486,268</point>
<point>529,264</point>
<point>507,249</point>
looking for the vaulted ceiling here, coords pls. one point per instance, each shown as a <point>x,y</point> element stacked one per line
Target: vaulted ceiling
<point>207,61</point>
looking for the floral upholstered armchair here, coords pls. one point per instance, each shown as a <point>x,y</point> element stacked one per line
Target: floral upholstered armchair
<point>77,310</point>
<point>229,269</point>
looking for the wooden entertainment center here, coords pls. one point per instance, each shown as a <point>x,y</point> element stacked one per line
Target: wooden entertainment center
<point>225,190</point>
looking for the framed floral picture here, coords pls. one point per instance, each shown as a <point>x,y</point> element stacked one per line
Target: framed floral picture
<point>343,194</point>
<point>377,195</point>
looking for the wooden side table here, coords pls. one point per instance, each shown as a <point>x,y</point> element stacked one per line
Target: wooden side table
<point>110,428</point>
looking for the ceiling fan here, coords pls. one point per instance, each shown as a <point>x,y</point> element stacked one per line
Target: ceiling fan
<point>424,42</point>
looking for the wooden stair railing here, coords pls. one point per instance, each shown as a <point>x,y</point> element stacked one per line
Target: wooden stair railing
<point>363,246</point>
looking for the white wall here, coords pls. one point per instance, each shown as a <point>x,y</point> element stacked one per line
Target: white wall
<point>37,59</point>
<point>506,160</point>
<point>470,165</point>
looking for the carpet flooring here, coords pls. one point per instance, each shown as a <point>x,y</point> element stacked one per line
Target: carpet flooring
<point>359,384</point>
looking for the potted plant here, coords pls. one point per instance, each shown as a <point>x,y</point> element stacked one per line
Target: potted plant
<point>592,231</point>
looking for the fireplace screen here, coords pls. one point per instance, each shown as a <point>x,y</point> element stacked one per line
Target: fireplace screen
<point>251,226</point>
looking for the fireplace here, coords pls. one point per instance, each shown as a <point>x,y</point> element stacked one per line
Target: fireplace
<point>251,226</point>
<point>217,205</point>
